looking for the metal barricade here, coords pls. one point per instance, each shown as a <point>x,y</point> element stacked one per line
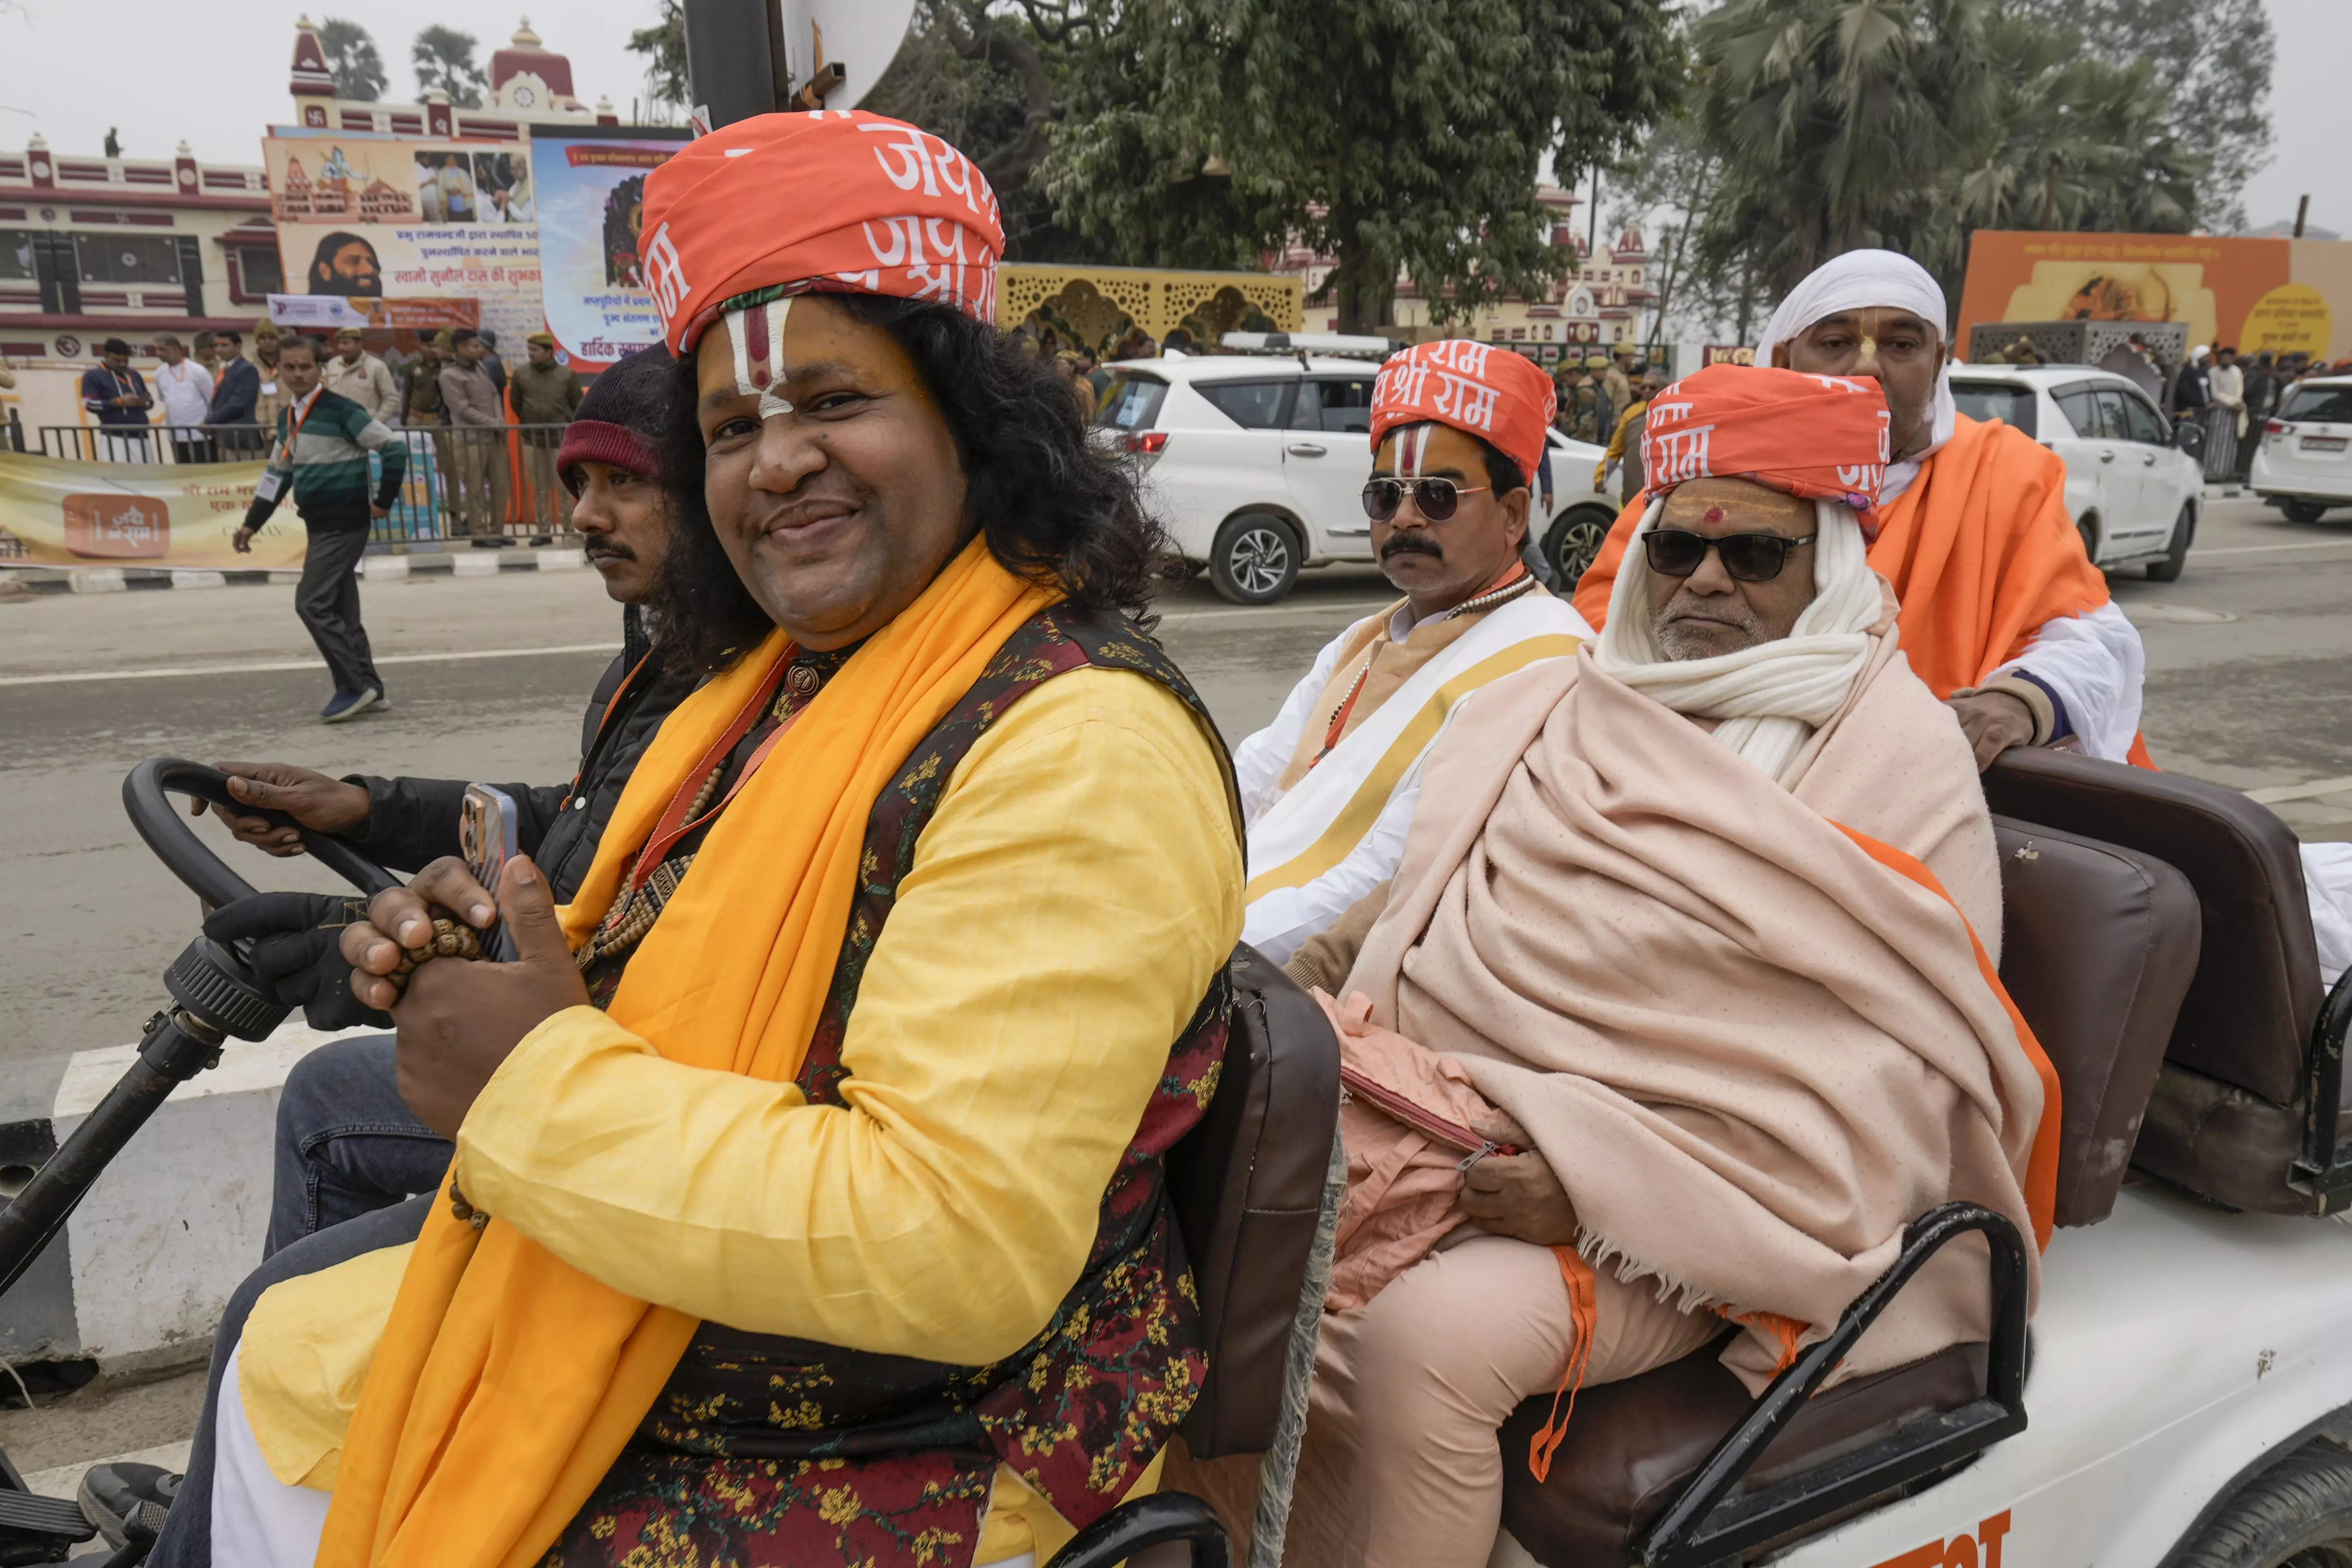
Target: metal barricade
<point>462,482</point>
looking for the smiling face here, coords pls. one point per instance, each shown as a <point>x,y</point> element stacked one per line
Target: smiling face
<point>625,519</point>
<point>1437,566</point>
<point>1710,612</point>
<point>1890,346</point>
<point>835,487</point>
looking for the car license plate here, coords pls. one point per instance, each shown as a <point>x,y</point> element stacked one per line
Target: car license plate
<point>2324,443</point>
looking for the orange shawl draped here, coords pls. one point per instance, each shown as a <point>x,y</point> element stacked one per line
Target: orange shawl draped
<point>1980,550</point>
<point>507,1380</point>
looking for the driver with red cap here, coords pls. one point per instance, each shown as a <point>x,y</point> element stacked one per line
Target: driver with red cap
<point>1458,437</point>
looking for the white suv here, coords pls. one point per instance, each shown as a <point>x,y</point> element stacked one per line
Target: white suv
<point>1256,464</point>
<point>2303,465</point>
<point>2134,494</point>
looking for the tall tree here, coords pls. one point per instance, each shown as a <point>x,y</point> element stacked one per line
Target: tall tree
<point>664,47</point>
<point>352,56</point>
<point>1910,123</point>
<point>444,58</point>
<point>2211,61</point>
<point>1388,136</point>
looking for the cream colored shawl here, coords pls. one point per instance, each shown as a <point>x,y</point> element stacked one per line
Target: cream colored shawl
<point>1752,1053</point>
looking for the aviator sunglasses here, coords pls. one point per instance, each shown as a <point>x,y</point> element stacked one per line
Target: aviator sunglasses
<point>1748,557</point>
<point>1434,498</point>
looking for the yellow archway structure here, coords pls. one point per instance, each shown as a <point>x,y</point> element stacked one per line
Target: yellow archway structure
<point>1097,304</point>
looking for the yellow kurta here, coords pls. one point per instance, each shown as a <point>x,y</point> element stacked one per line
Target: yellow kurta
<point>1067,906</point>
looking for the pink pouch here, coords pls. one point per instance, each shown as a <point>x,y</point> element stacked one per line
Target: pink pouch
<point>1412,1124</point>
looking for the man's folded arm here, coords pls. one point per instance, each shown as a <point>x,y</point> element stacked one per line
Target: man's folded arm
<point>1070,901</point>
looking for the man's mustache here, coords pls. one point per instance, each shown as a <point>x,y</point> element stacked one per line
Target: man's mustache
<point>608,550</point>
<point>1411,541</point>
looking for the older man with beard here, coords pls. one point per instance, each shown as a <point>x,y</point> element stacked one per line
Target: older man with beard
<point>1705,920</point>
<point>1457,437</point>
<point>2003,614</point>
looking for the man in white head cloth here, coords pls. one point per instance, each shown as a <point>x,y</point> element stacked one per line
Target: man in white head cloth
<point>2003,614</point>
<point>1328,788</point>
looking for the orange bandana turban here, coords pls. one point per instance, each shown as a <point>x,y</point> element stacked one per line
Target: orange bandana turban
<point>1818,436</point>
<point>1493,394</point>
<point>837,201</point>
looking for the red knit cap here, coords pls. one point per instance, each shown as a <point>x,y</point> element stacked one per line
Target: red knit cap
<point>1490,392</point>
<point>835,201</point>
<point>1818,436</point>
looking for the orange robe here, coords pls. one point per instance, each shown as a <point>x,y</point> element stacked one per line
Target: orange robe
<point>1980,549</point>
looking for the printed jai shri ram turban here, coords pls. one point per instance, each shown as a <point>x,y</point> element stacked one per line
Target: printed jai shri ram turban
<point>1824,436</point>
<point>1493,394</point>
<point>837,201</point>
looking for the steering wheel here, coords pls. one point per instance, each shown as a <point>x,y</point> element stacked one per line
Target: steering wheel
<point>146,792</point>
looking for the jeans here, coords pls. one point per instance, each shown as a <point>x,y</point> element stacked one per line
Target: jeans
<point>187,1538</point>
<point>328,601</point>
<point>347,1144</point>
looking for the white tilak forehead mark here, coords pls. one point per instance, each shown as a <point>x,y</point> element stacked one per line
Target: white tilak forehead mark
<point>772,316</point>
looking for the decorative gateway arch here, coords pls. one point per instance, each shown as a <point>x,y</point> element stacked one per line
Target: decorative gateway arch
<point>1097,305</point>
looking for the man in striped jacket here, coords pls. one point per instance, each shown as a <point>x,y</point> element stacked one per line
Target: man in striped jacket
<point>321,451</point>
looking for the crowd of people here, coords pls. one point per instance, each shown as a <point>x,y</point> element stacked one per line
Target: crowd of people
<point>451,396</point>
<point>795,1194</point>
<point>2232,397</point>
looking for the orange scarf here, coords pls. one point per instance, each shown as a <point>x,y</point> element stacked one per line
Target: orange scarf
<point>507,1380</point>
<point>1980,550</point>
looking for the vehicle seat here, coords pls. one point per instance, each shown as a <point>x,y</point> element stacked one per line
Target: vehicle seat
<point>2248,1108</point>
<point>1246,1184</point>
<point>2096,947</point>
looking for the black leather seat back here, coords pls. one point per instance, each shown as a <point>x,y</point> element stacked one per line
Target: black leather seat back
<point>2226,1119</point>
<point>2098,946</point>
<point>1247,1186</point>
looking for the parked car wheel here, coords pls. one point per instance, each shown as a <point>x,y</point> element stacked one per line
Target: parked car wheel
<point>2175,552</point>
<point>1575,541</point>
<point>2296,1514</point>
<point>2304,510</point>
<point>1255,560</point>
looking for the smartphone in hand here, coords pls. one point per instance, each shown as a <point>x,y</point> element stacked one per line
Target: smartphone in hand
<point>486,835</point>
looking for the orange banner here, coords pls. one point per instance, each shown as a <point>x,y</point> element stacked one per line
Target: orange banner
<point>2283,295</point>
<point>56,513</point>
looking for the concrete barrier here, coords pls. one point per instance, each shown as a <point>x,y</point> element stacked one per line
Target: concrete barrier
<point>146,1264</point>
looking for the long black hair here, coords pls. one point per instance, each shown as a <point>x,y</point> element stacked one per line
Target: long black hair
<point>1053,508</point>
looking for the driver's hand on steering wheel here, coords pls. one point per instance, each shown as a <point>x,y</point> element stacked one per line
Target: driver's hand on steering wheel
<point>458,1020</point>
<point>314,800</point>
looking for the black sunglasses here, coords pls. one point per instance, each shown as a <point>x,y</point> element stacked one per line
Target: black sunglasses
<point>1434,498</point>
<point>1748,557</point>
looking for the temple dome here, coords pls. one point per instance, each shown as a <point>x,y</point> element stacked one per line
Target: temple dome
<point>525,56</point>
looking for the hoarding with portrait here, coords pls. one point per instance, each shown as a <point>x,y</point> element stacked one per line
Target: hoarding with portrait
<point>591,196</point>
<point>377,217</point>
<point>2283,295</point>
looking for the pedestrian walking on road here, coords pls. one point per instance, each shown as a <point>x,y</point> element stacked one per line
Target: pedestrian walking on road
<point>186,390</point>
<point>546,396</point>
<point>355,373</point>
<point>2264,389</point>
<point>478,431</point>
<point>321,454</point>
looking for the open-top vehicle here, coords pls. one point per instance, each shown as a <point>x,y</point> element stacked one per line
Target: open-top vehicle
<point>2182,1397</point>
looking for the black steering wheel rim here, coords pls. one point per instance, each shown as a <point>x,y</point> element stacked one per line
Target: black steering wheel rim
<point>146,799</point>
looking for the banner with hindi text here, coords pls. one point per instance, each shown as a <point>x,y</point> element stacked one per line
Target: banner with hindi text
<point>56,513</point>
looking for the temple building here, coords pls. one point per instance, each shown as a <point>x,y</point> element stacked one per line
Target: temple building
<point>529,85</point>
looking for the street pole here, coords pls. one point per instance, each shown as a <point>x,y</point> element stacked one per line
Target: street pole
<point>734,60</point>
<point>2302,211</point>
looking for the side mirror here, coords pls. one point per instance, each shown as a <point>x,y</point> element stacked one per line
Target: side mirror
<point>2189,437</point>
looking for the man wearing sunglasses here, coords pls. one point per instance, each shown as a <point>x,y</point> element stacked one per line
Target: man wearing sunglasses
<point>2004,617</point>
<point>1328,787</point>
<point>1651,891</point>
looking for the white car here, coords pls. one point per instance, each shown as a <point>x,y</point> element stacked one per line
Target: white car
<point>2303,466</point>
<point>1256,464</point>
<point>2134,492</point>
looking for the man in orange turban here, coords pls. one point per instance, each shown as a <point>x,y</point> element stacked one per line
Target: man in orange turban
<point>2003,614</point>
<point>1457,438</point>
<point>806,1205</point>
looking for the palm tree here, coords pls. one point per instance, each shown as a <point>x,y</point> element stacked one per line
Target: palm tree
<point>444,58</point>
